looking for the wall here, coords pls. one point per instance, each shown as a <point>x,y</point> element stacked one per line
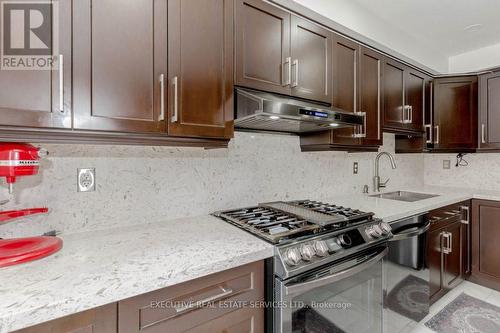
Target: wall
<point>357,18</point>
<point>480,59</point>
<point>482,171</point>
<point>148,184</point>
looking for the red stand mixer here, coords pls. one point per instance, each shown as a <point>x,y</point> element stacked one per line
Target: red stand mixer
<point>19,160</point>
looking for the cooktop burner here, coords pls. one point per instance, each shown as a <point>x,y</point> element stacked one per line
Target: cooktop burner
<point>281,221</point>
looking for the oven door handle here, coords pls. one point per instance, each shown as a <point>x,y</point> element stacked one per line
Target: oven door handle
<point>300,288</point>
<point>410,234</point>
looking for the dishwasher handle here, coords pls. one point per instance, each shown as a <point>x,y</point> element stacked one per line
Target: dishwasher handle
<point>410,234</point>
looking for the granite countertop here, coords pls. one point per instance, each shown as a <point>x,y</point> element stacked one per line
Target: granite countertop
<point>392,210</point>
<point>95,269</point>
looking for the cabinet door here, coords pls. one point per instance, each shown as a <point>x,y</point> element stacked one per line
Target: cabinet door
<point>435,260</point>
<point>489,104</point>
<point>415,99</point>
<point>345,85</point>
<point>453,270</point>
<point>200,67</point>
<point>120,51</point>
<point>370,95</point>
<point>485,244</point>
<point>262,46</point>
<point>455,113</point>
<point>311,49</point>
<point>32,98</point>
<point>394,95</point>
<point>98,320</point>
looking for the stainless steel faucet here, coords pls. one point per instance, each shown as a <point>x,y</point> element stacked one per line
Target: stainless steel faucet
<point>377,184</point>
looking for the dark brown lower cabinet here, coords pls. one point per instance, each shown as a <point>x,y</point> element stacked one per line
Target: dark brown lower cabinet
<point>98,320</point>
<point>448,248</point>
<point>486,243</point>
<point>209,304</point>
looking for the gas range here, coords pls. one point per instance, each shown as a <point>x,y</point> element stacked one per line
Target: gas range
<point>309,234</point>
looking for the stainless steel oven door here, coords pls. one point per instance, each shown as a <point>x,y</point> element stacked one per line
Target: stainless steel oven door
<point>343,297</point>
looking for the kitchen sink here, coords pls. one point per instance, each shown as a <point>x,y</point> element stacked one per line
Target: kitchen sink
<point>404,196</point>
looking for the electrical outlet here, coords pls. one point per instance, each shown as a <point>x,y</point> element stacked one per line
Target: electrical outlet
<point>355,168</point>
<point>446,164</point>
<point>86,180</point>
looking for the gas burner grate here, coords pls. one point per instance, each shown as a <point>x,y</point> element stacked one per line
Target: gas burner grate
<point>269,223</point>
<point>349,215</point>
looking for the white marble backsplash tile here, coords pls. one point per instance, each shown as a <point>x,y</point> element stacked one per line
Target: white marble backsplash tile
<point>147,184</point>
<point>481,172</point>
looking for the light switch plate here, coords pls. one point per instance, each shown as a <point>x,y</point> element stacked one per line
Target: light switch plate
<point>355,168</point>
<point>86,180</point>
<point>446,164</point>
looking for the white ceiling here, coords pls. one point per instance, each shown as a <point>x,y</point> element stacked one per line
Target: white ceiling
<point>431,32</point>
<point>443,23</point>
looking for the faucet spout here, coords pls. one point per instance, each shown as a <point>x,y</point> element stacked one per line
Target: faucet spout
<point>377,184</point>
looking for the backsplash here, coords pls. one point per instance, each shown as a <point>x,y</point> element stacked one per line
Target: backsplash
<point>148,184</point>
<point>482,171</point>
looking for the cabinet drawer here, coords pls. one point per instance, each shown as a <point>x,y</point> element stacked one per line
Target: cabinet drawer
<point>444,216</point>
<point>195,303</point>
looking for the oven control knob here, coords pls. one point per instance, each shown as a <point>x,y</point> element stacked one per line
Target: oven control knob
<point>307,252</point>
<point>374,231</point>
<point>385,227</point>
<point>321,248</point>
<point>344,240</point>
<point>292,257</point>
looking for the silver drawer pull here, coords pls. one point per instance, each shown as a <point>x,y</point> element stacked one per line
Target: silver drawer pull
<point>175,114</point>
<point>296,79</point>
<point>162,97</point>
<point>288,65</point>
<point>204,302</point>
<point>61,83</point>
<point>483,133</point>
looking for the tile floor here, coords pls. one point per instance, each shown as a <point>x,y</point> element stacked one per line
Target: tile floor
<point>472,289</point>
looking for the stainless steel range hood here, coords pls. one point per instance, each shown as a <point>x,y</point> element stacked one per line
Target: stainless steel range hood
<point>260,111</point>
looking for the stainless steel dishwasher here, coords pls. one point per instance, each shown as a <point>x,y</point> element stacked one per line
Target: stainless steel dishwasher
<point>406,296</point>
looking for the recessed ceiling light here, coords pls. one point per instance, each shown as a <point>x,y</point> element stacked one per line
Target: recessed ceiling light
<point>274,117</point>
<point>334,125</point>
<point>473,27</point>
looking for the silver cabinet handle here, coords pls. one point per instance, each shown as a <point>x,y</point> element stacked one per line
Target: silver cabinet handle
<point>428,133</point>
<point>225,292</point>
<point>162,97</point>
<point>360,129</point>
<point>483,133</point>
<point>61,83</point>
<point>406,114</point>
<point>437,134</point>
<point>411,114</point>
<point>447,245</point>
<point>175,114</point>
<point>296,79</point>
<point>288,63</point>
<point>465,209</point>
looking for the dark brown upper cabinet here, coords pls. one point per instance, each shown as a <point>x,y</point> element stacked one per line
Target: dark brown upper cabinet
<point>357,87</point>
<point>120,57</point>
<point>404,98</point>
<point>455,114</point>
<point>41,98</point>
<point>200,68</point>
<point>311,51</point>
<point>489,111</point>
<point>262,46</point>
<point>282,53</point>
